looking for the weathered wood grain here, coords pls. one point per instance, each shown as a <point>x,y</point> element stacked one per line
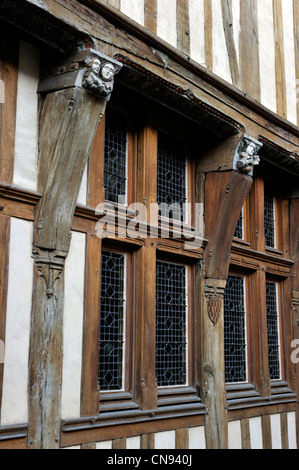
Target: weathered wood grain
<point>150,15</point>
<point>9,58</point>
<point>226,6</point>
<point>183,30</point>
<point>249,54</point>
<point>280,74</point>
<point>4,263</point>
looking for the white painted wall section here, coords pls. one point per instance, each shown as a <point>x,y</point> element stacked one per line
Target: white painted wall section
<point>133,442</point>
<point>73,327</point>
<point>19,298</point>
<point>197,438</point>
<point>166,21</point>
<point>234,435</point>
<point>267,54</point>
<point>276,431</point>
<point>82,197</point>
<point>25,159</point>
<point>292,430</point>
<point>197,31</point>
<point>165,440</point>
<point>133,9</point>
<point>256,436</point>
<point>220,55</point>
<point>104,445</point>
<point>289,54</point>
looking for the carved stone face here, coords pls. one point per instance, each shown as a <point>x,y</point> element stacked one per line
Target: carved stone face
<point>96,66</point>
<point>251,149</point>
<point>107,72</point>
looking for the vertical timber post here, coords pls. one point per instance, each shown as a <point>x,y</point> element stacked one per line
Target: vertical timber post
<point>76,93</point>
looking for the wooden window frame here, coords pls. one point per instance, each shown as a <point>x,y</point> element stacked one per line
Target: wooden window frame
<point>179,393</point>
<point>108,399</point>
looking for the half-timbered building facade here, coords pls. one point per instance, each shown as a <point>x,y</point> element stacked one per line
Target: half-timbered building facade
<point>149,224</point>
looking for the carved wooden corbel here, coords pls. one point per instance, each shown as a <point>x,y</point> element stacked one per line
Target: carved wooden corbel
<point>246,157</point>
<point>76,90</point>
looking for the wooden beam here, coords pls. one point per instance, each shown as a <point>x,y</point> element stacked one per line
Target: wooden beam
<point>182,439</point>
<point>245,434</point>
<point>89,394</point>
<point>222,212</point>
<point>249,51</point>
<point>266,432</point>
<point>183,28</point>
<point>227,17</point>
<point>9,58</point>
<point>114,3</point>
<point>150,15</point>
<point>208,28</point>
<point>279,59</point>
<point>72,113</point>
<point>4,264</point>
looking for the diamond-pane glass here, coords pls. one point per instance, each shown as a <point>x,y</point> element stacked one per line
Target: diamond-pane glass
<point>112,307</point>
<point>115,156</point>
<point>171,335</point>
<point>273,331</point>
<point>171,177</point>
<point>234,330</point>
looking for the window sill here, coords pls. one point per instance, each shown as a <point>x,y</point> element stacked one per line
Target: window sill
<point>244,396</point>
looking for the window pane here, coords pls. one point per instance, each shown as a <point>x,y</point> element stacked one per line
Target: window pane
<point>115,157</point>
<point>273,331</point>
<point>239,228</point>
<point>171,329</point>
<point>171,177</point>
<point>234,330</point>
<point>111,346</point>
<point>269,216</point>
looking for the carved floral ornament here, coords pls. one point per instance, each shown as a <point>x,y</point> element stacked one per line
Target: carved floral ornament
<point>247,157</point>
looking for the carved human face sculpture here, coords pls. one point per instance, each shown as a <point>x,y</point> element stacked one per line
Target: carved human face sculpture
<point>107,72</point>
<point>96,66</point>
<point>251,148</point>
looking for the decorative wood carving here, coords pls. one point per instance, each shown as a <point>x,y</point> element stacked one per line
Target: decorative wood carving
<point>74,104</point>
<point>247,155</point>
<point>214,293</point>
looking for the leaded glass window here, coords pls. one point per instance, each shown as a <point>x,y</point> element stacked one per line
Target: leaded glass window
<point>235,330</point>
<point>171,324</point>
<point>171,177</point>
<point>269,216</point>
<point>115,157</point>
<point>112,318</point>
<point>273,330</point>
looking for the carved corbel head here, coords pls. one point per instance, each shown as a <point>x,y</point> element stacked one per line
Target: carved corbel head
<point>99,76</point>
<point>247,157</point>
<point>86,68</point>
